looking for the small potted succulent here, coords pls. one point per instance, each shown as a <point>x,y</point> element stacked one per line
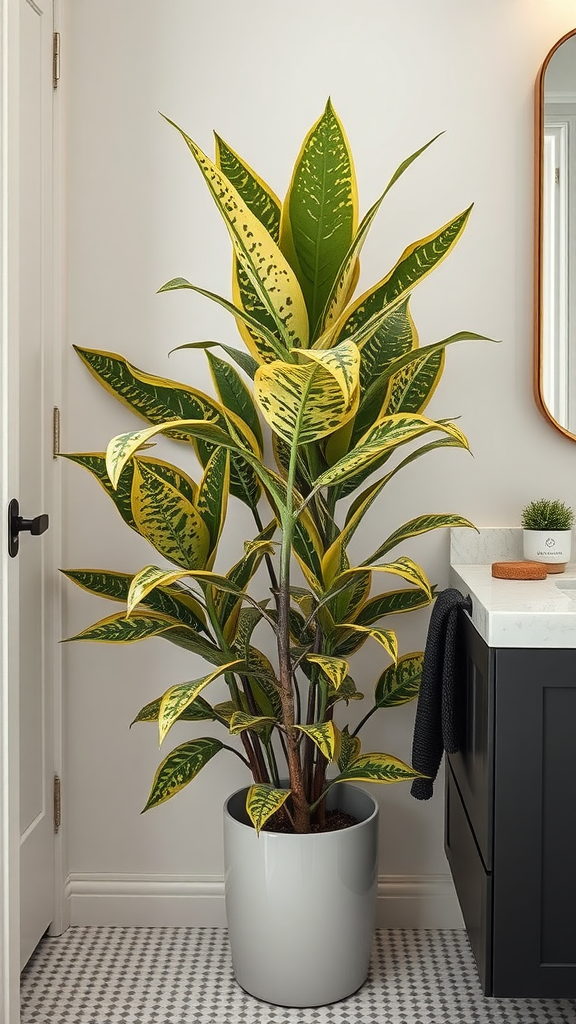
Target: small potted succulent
<point>547,526</point>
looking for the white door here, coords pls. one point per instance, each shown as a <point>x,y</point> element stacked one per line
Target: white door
<point>26,476</point>
<point>36,345</point>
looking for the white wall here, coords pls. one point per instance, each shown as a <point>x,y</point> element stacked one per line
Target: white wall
<point>259,74</point>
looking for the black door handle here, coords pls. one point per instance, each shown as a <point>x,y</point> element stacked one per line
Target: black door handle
<point>17,524</point>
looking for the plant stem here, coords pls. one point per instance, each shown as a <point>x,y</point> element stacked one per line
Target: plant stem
<point>364,720</point>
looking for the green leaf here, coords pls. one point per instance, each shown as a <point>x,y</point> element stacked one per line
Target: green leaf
<point>375,767</point>
<point>199,711</point>
<point>242,359</point>
<point>353,482</point>
<point>344,279</point>
<point>399,683</point>
<point>346,693</point>
<point>167,519</point>
<point>179,697</point>
<point>270,274</point>
<point>262,801</point>
<point>411,388</point>
<point>258,196</point>
<point>180,767</point>
<point>390,604</point>
<point>385,637</point>
<point>395,337</point>
<point>176,603</point>
<point>416,527</point>
<point>320,212</point>
<point>213,497</point>
<point>234,394</point>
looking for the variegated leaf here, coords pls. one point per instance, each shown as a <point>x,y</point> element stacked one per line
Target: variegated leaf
<point>212,499</point>
<point>117,629</point>
<point>336,669</point>
<point>411,388</point>
<point>346,693</point>
<point>392,603</point>
<point>167,519</point>
<point>385,436</point>
<point>240,721</point>
<point>178,604</point>
<point>326,736</point>
<point>304,403</point>
<point>319,215</point>
<point>394,338</point>
<point>270,274</point>
<point>399,683</point>
<point>418,526</point>
<point>179,697</point>
<point>95,463</point>
<point>180,767</point>
<point>354,481</point>
<point>262,801</point>
<point>376,767</point>
<point>385,637</point>
<point>332,563</point>
<point>403,566</point>
<point>199,711</point>
<point>347,274</point>
<point>350,747</point>
<point>415,263</point>
<point>160,401</point>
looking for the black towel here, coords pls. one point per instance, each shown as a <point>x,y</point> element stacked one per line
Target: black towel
<point>436,726</point>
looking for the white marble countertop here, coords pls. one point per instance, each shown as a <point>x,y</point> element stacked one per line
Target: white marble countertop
<point>520,613</point>
<point>512,613</point>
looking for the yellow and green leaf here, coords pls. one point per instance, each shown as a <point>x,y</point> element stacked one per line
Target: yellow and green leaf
<point>234,394</point>
<point>336,669</point>
<point>416,527</point>
<point>392,603</point>
<point>350,747</point>
<point>385,637</point>
<point>262,801</point>
<point>399,683</point>
<point>180,767</point>
<point>271,276</point>
<point>306,402</point>
<point>167,519</point>
<point>212,499</point>
<point>240,721</point>
<point>376,767</point>
<point>319,215</point>
<point>117,629</point>
<point>199,711</point>
<point>179,697</point>
<point>326,736</point>
<point>178,604</point>
<point>347,275</point>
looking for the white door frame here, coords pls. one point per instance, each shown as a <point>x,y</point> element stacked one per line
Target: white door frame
<point>9,711</point>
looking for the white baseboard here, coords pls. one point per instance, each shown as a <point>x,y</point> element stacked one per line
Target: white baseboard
<point>427,901</point>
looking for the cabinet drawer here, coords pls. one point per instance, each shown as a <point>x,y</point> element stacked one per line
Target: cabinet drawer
<point>473,765</point>
<point>473,883</point>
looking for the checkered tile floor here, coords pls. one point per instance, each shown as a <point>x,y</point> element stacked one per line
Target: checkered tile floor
<point>184,975</point>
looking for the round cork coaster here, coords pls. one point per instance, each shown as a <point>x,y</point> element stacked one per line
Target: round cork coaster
<point>519,570</point>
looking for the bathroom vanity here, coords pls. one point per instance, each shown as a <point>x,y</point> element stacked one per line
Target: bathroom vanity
<point>510,832</point>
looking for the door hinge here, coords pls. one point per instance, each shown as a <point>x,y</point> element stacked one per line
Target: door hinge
<point>55,432</point>
<point>57,805</point>
<point>55,59</point>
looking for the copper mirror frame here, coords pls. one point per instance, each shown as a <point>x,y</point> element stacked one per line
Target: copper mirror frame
<point>555,206</point>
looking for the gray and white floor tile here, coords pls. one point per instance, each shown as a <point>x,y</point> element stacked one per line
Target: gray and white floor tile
<point>184,976</point>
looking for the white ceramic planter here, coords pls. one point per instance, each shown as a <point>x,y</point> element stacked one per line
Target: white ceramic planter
<point>553,547</point>
<point>301,909</point>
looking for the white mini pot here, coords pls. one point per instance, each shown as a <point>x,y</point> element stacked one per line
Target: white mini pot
<point>553,547</point>
<point>301,909</point>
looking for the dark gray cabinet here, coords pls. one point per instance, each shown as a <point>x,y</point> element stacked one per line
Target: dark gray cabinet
<point>510,833</point>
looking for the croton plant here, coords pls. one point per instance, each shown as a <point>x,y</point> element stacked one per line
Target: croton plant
<point>306,428</point>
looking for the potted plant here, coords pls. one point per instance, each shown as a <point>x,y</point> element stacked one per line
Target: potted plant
<point>547,537</point>
<point>340,386</point>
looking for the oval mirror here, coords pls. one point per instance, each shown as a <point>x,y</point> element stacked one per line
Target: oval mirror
<point>555,376</point>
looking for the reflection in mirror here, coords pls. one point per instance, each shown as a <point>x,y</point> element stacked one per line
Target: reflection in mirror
<point>556,234</point>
